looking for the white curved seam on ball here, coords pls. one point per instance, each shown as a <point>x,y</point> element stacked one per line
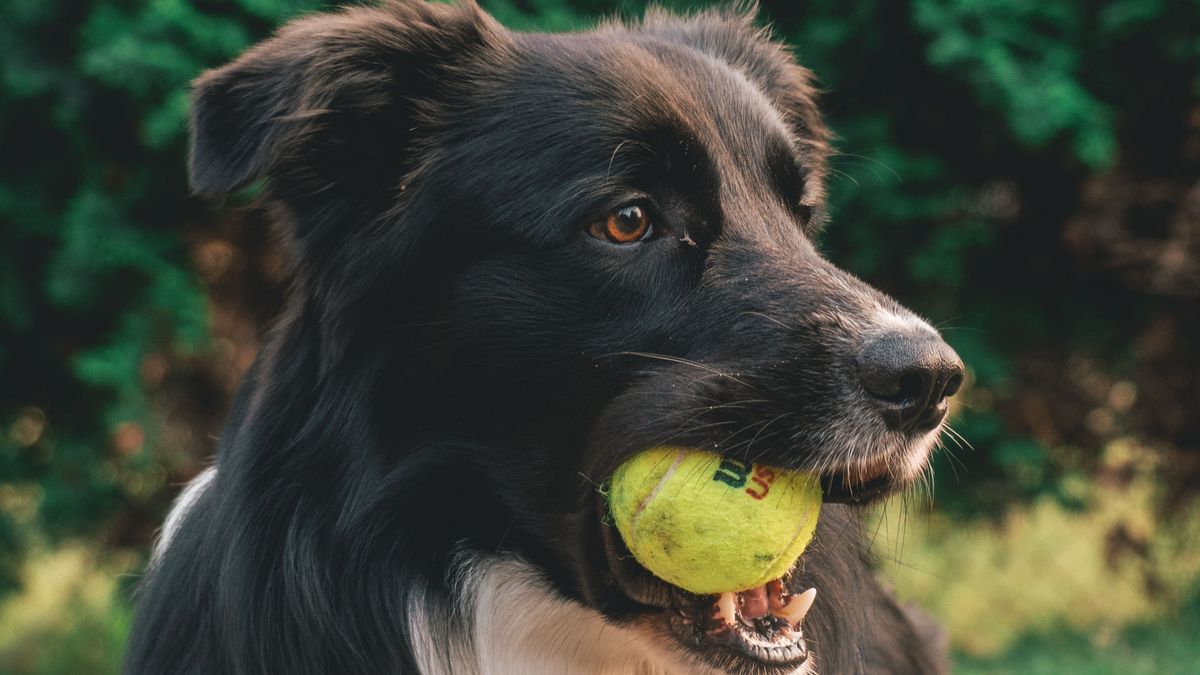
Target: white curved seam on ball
<point>662,482</point>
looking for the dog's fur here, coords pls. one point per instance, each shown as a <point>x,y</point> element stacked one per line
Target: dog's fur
<point>408,479</point>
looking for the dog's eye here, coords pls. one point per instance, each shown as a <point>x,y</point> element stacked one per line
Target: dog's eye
<point>626,225</point>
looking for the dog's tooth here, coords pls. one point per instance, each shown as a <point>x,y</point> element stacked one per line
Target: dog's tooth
<point>797,608</point>
<point>727,608</point>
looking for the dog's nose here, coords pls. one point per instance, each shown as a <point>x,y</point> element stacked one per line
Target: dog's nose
<point>910,376</point>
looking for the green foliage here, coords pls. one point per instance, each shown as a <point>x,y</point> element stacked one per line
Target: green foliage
<point>967,129</point>
<point>94,272</point>
<point>1165,647</point>
<point>1023,59</point>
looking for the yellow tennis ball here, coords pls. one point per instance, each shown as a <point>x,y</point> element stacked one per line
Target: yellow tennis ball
<point>710,524</point>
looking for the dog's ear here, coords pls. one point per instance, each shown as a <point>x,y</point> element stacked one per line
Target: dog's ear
<point>328,92</point>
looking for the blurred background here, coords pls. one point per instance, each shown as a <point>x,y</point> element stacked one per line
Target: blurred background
<point>1026,173</point>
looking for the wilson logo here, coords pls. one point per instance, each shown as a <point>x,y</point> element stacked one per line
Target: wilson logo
<point>736,474</point>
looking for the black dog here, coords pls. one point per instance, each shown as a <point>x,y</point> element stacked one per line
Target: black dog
<point>519,259</point>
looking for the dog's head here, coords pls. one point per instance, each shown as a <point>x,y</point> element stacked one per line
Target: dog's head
<point>555,251</point>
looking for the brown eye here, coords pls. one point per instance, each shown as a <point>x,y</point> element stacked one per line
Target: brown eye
<point>626,225</point>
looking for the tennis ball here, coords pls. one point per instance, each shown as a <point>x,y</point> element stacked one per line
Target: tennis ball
<point>710,524</point>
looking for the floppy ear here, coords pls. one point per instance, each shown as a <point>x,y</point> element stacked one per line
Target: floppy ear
<point>325,92</point>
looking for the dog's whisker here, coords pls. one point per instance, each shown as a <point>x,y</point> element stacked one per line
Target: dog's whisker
<point>954,440</point>
<point>838,172</point>
<point>945,323</point>
<point>866,161</point>
<point>682,361</point>
<point>761,429</point>
<point>954,432</point>
<point>770,318</point>
<point>730,448</point>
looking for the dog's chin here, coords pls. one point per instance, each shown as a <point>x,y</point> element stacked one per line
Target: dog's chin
<point>874,478</point>
<point>717,630</point>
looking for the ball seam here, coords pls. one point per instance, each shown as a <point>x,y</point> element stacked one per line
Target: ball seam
<point>662,481</point>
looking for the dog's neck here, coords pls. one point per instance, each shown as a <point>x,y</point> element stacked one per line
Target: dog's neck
<point>518,624</point>
<point>515,621</point>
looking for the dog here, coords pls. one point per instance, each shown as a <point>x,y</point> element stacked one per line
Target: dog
<point>517,260</point>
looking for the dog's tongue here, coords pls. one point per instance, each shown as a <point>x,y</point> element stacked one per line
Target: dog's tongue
<point>754,602</point>
<point>771,598</point>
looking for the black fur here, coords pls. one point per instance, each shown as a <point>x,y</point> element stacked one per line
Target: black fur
<point>460,363</point>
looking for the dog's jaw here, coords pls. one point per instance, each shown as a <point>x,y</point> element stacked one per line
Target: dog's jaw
<point>517,623</point>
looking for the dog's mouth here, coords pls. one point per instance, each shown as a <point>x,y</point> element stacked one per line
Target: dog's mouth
<point>762,626</point>
<point>860,483</point>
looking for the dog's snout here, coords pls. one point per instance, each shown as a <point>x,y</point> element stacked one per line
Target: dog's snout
<point>910,377</point>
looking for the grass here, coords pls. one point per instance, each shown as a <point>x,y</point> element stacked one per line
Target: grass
<point>72,620</point>
<point>1039,591</point>
<point>76,631</point>
<point>69,618</point>
<point>1046,569</point>
<point>1170,646</point>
